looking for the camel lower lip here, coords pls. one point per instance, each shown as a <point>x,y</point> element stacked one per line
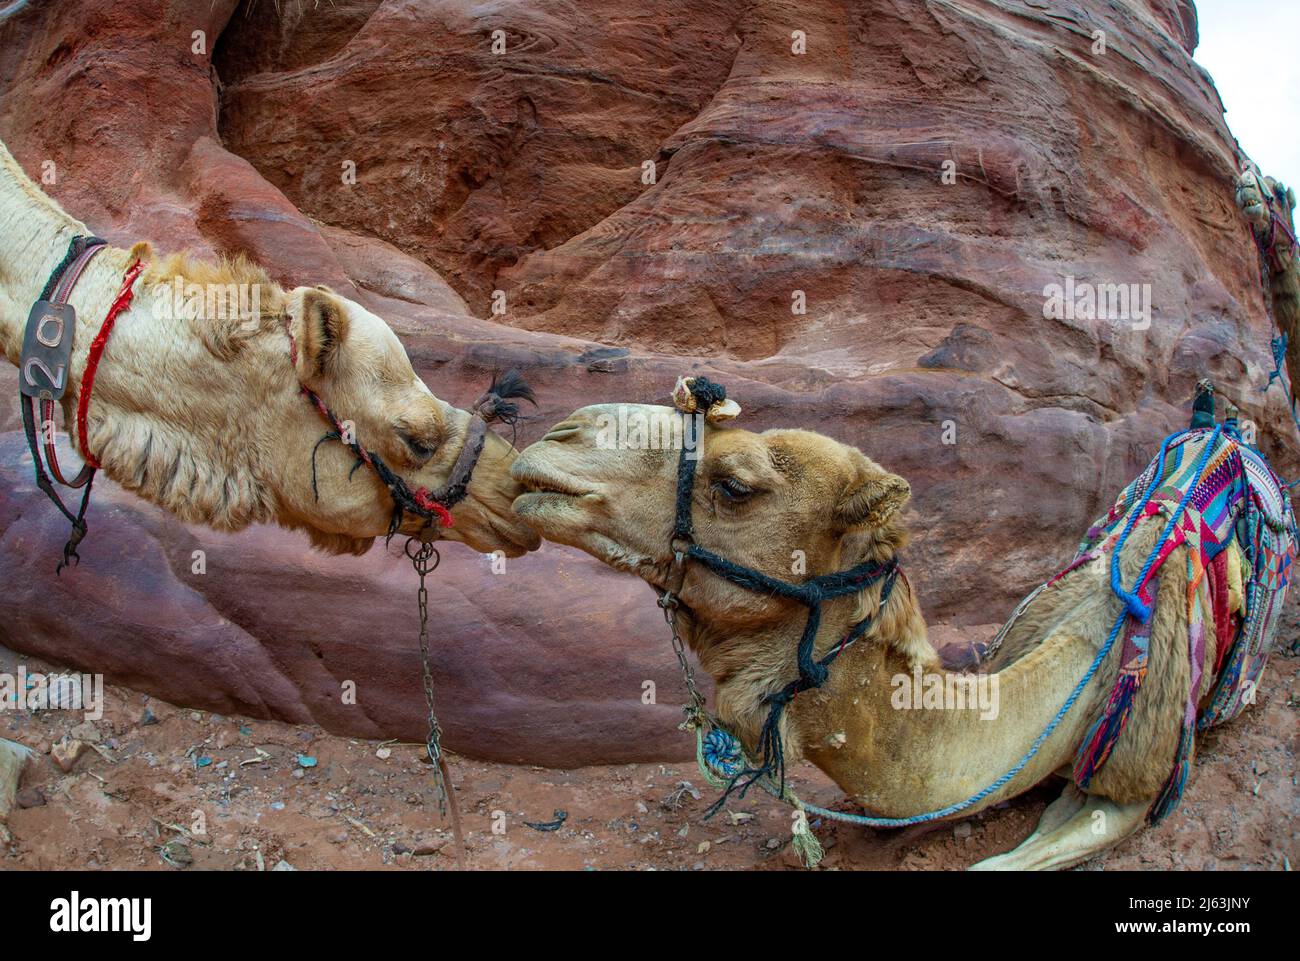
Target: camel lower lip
<point>523,540</point>
<point>533,496</point>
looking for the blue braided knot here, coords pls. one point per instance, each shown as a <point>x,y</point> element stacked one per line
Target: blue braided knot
<point>722,752</point>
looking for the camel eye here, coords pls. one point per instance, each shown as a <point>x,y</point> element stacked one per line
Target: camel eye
<point>732,490</point>
<point>419,449</point>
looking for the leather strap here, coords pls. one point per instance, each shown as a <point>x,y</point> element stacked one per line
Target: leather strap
<point>81,251</point>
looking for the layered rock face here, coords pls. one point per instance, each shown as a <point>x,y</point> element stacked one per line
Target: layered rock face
<point>849,213</point>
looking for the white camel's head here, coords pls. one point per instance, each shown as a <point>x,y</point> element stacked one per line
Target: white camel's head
<point>354,362</point>
<point>209,415</point>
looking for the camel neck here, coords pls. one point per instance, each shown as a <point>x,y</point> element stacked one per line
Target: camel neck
<point>36,236</point>
<point>748,666</point>
<point>892,727</point>
<point>183,425</point>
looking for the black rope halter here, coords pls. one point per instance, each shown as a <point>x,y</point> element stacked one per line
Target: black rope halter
<point>811,593</point>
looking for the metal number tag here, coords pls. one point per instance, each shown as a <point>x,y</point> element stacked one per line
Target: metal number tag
<point>47,350</point>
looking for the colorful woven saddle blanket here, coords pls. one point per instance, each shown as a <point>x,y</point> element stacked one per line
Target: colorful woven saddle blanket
<point>1237,519</point>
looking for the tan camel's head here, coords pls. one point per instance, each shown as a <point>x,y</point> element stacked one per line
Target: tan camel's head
<point>356,364</point>
<point>1262,199</point>
<point>789,503</point>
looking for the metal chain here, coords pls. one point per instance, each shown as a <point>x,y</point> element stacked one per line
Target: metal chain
<point>420,560</point>
<point>696,715</point>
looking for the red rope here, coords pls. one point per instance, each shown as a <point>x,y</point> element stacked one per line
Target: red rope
<point>429,504</point>
<point>423,497</point>
<point>97,346</point>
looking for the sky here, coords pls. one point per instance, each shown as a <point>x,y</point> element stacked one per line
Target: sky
<point>1249,48</point>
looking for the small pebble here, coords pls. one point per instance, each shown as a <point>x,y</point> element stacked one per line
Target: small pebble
<point>85,732</point>
<point>66,753</point>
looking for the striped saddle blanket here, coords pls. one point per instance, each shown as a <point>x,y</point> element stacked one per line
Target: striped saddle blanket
<point>1238,521</point>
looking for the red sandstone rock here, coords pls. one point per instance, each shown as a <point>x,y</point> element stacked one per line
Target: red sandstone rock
<point>522,172</point>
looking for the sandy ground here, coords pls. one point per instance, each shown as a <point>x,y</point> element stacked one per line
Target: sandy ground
<point>174,789</point>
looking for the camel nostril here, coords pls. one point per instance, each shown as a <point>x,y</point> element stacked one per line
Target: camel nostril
<point>563,431</point>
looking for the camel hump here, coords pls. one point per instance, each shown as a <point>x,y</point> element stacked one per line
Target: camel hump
<point>1213,506</point>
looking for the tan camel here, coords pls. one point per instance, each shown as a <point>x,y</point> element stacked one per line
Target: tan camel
<point>1269,208</point>
<point>200,411</point>
<point>761,500</point>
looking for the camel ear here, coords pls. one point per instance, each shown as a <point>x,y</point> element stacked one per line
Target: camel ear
<point>322,331</point>
<point>872,502</point>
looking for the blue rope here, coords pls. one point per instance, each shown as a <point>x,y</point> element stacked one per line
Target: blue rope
<point>1277,346</point>
<point>1131,601</point>
<point>1083,682</point>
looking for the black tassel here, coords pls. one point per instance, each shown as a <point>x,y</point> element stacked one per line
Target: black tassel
<point>328,436</point>
<point>506,387</point>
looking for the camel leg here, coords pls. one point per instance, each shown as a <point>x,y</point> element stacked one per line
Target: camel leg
<point>1075,827</point>
<point>13,758</point>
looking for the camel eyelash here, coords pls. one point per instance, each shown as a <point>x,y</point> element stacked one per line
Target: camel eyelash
<point>417,447</point>
<point>731,489</point>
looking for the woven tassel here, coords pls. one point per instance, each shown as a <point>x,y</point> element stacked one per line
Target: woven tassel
<point>1172,793</point>
<point>808,848</point>
<point>1104,733</point>
<point>1101,737</point>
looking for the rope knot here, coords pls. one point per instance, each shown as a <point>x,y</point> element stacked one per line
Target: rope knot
<point>815,676</point>
<point>498,402</point>
<point>722,752</point>
<point>425,502</point>
<point>696,394</point>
